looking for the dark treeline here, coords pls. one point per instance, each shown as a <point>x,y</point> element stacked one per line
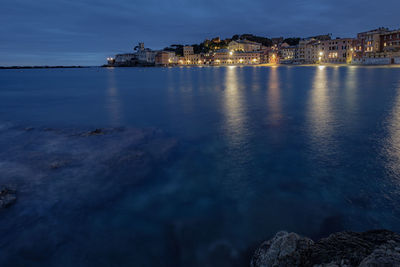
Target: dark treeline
<point>216,43</point>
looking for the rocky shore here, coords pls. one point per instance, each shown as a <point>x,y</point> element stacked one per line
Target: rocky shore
<point>367,249</point>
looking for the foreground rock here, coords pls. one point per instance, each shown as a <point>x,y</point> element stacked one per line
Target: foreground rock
<point>7,197</point>
<point>372,248</point>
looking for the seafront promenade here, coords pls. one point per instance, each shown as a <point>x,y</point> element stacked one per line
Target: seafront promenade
<point>379,46</point>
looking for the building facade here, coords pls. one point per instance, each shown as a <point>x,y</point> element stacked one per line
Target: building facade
<point>337,51</point>
<point>128,59</point>
<point>287,54</point>
<point>166,58</point>
<point>312,52</point>
<point>390,41</point>
<point>192,59</point>
<point>228,57</point>
<point>370,41</point>
<point>244,45</point>
<point>147,56</point>
<point>187,51</point>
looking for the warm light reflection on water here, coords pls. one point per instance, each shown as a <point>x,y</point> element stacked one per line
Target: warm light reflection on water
<point>320,112</point>
<point>113,99</point>
<point>234,108</point>
<point>274,96</point>
<point>217,179</point>
<point>350,87</point>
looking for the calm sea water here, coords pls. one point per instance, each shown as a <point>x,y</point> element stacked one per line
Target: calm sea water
<point>197,165</point>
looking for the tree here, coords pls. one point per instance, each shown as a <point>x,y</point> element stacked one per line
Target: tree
<point>292,41</point>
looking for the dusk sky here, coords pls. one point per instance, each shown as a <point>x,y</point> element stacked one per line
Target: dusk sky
<point>85,32</point>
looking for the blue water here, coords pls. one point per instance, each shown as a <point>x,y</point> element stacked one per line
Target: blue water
<point>196,165</point>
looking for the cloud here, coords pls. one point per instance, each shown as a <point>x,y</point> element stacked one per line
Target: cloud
<point>38,30</point>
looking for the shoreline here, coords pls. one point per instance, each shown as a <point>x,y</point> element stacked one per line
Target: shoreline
<point>260,65</point>
<point>203,66</point>
<point>42,67</point>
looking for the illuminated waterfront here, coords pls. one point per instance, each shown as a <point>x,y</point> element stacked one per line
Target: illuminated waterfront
<point>255,150</point>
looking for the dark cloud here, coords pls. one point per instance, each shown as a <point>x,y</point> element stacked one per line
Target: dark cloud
<point>86,31</point>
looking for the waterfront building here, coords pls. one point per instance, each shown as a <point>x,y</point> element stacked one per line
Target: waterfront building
<point>381,58</point>
<point>127,59</point>
<point>146,55</point>
<point>338,50</point>
<point>228,57</point>
<point>390,41</point>
<point>370,41</point>
<point>265,55</point>
<point>196,59</point>
<point>287,54</point>
<point>308,49</point>
<point>379,46</point>
<point>192,59</point>
<point>166,58</point>
<point>187,51</point>
<point>123,58</point>
<point>300,53</point>
<point>312,52</point>
<point>244,45</point>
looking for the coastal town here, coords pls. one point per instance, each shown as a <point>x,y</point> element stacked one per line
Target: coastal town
<point>380,46</point>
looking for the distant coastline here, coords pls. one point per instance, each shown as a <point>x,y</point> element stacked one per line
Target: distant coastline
<point>42,67</point>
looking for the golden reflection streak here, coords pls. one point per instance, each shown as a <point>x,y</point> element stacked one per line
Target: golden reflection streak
<point>256,84</point>
<point>237,133</point>
<point>233,108</point>
<point>274,96</point>
<point>113,100</point>
<point>320,111</point>
<point>351,86</point>
<point>392,147</point>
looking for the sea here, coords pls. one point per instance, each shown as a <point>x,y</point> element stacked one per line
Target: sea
<point>193,166</point>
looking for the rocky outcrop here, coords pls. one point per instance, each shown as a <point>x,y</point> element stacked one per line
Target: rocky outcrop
<point>372,248</point>
<point>7,197</point>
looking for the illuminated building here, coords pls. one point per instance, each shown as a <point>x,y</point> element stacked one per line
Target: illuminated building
<point>227,57</point>
<point>166,58</point>
<point>244,45</point>
<point>338,50</point>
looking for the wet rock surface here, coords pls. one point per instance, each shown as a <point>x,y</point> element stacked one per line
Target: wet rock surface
<point>7,197</point>
<point>66,179</point>
<point>372,248</point>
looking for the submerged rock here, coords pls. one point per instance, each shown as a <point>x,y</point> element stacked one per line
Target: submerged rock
<point>7,197</point>
<point>285,249</point>
<point>372,248</point>
<point>96,132</point>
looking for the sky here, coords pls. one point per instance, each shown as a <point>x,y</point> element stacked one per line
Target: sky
<point>86,32</point>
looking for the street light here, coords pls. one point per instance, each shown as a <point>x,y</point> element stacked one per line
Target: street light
<point>320,56</point>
